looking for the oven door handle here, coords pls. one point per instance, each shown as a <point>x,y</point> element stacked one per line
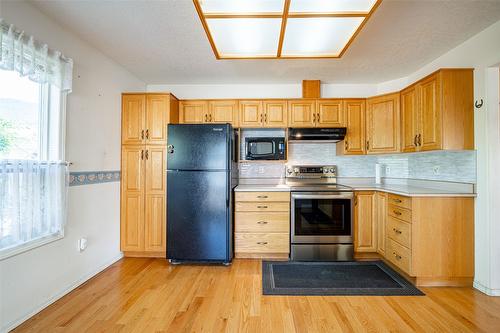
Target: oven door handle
<point>340,195</point>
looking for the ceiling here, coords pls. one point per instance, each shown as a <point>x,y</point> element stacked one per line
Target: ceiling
<point>163,42</point>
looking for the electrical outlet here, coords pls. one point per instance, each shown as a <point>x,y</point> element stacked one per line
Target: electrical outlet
<point>435,169</point>
<point>82,244</point>
<point>261,170</point>
<point>387,170</point>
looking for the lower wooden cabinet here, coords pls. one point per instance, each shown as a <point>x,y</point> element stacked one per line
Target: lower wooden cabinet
<point>143,201</point>
<point>262,225</point>
<point>430,239</point>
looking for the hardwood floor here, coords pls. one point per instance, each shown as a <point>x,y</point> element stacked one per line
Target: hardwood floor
<point>149,295</point>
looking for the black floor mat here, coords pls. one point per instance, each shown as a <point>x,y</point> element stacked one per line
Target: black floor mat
<point>333,278</point>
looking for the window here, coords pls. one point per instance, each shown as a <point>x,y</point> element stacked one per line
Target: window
<point>33,178</point>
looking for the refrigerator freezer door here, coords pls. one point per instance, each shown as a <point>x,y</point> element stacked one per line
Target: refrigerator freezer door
<point>198,147</point>
<point>198,216</point>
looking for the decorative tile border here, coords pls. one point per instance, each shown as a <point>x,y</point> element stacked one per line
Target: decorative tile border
<point>93,177</point>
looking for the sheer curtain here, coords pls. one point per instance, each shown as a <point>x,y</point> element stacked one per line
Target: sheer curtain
<point>32,201</point>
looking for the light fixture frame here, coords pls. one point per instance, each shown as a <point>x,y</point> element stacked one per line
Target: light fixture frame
<point>284,17</point>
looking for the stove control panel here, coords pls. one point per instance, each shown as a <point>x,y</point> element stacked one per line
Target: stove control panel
<point>308,171</point>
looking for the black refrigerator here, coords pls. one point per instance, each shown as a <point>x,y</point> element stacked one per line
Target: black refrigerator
<point>201,176</point>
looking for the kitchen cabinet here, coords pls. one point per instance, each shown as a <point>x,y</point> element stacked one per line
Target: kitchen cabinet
<point>330,113</point>
<point>383,124</point>
<point>262,224</point>
<point>193,112</point>
<point>251,114</point>
<point>365,235</point>
<point>355,139</point>
<point>441,106</point>
<point>381,216</point>
<point>223,111</point>
<point>144,118</point>
<point>143,172</point>
<point>275,113</point>
<point>302,113</point>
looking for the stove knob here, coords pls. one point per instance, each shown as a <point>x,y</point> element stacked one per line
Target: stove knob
<point>332,170</point>
<point>289,171</point>
<point>296,170</point>
<point>325,170</point>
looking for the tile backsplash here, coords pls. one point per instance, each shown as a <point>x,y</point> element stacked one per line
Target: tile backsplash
<point>458,166</point>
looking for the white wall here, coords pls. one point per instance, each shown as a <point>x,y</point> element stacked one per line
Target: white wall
<point>31,280</point>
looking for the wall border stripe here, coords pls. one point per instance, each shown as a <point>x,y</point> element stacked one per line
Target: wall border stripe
<point>93,177</point>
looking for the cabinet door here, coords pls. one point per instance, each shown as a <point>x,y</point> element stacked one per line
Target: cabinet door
<point>383,128</point>
<point>381,211</point>
<point>251,114</point>
<point>157,115</point>
<point>223,111</point>
<point>302,113</point>
<point>275,113</point>
<point>409,120</point>
<point>365,236</point>
<point>133,119</point>
<point>354,142</point>
<point>132,199</point>
<point>330,113</point>
<point>193,112</point>
<point>430,114</point>
<point>155,209</point>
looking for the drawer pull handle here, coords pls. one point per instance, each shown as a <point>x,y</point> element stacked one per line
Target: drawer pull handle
<point>262,196</point>
<point>261,206</point>
<point>398,201</point>
<point>262,222</point>
<point>397,256</point>
<point>397,213</point>
<point>262,243</point>
<point>396,230</point>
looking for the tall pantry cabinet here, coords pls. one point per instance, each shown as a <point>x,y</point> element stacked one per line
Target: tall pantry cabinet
<point>143,172</point>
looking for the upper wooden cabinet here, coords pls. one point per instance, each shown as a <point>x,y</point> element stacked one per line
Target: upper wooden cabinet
<point>354,142</point>
<point>383,124</point>
<point>145,118</point>
<point>193,112</point>
<point>409,119</point>
<point>251,114</point>
<point>275,113</point>
<point>223,111</point>
<point>365,231</point>
<point>302,113</point>
<point>330,113</point>
<point>443,112</point>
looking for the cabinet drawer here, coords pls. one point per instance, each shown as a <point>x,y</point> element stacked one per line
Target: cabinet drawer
<point>399,231</point>
<point>400,201</point>
<point>262,222</point>
<point>262,196</point>
<point>398,255</point>
<point>400,213</point>
<point>262,206</point>
<point>262,242</point>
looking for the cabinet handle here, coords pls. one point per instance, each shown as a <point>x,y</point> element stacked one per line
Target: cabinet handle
<point>367,145</point>
<point>262,196</point>
<point>262,243</point>
<point>210,117</point>
<point>261,206</point>
<point>142,135</point>
<point>265,117</point>
<point>397,213</point>
<point>397,200</point>
<point>147,134</point>
<point>262,222</point>
<point>206,118</point>
<point>147,154</point>
<point>415,142</point>
<point>317,117</point>
<point>420,139</point>
<point>397,256</point>
<point>142,154</point>
<point>314,117</point>
<point>346,145</point>
<point>396,231</point>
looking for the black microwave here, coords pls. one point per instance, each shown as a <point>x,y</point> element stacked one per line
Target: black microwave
<point>265,148</point>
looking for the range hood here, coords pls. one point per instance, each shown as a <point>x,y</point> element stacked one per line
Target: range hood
<point>317,134</point>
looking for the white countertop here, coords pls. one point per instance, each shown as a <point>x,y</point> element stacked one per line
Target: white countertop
<point>411,188</point>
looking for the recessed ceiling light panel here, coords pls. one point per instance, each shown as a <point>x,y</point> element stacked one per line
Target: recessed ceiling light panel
<point>318,36</point>
<point>331,6</point>
<point>245,37</point>
<point>242,6</point>
<point>242,29</point>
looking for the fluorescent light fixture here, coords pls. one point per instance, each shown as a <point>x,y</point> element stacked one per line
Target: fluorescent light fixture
<point>243,29</point>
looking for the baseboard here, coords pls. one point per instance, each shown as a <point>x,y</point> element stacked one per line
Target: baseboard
<point>13,324</point>
<point>486,290</point>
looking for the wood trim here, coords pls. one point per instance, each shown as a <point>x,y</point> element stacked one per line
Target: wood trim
<point>141,254</point>
<point>246,255</point>
<point>205,27</point>
<point>283,27</point>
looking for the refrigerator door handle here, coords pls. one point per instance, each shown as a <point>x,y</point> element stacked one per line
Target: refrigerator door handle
<point>170,149</point>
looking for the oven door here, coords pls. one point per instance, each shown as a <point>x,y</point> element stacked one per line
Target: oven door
<point>321,217</point>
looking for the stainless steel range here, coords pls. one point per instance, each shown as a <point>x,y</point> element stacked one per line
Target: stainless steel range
<point>321,214</point>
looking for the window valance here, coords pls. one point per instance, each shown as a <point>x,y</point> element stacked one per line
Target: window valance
<point>33,59</point>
